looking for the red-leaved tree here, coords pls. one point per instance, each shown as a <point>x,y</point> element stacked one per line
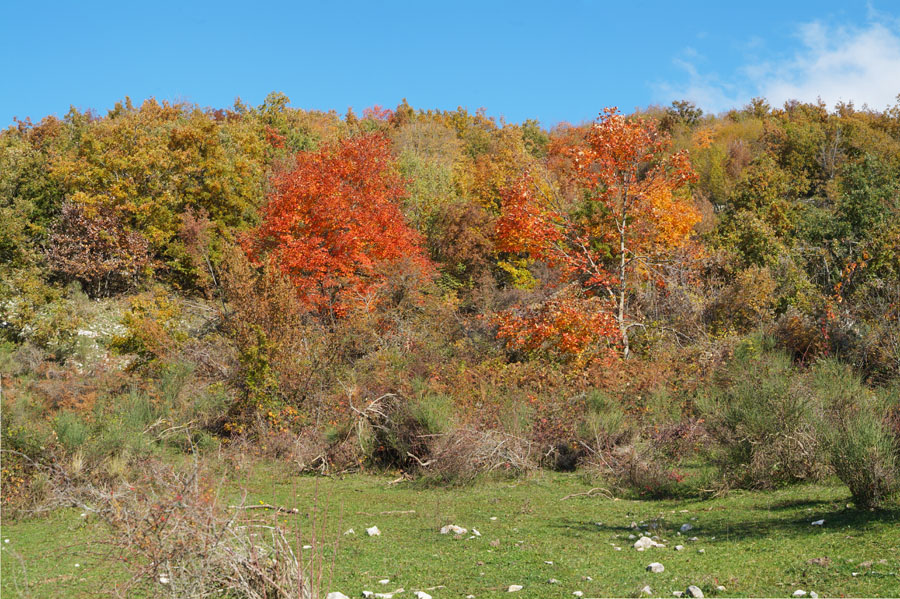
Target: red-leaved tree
<point>333,224</point>
<point>630,208</point>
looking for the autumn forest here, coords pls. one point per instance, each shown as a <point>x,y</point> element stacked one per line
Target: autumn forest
<point>678,305</point>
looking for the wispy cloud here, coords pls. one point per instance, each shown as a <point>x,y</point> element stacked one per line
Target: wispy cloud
<point>836,64</point>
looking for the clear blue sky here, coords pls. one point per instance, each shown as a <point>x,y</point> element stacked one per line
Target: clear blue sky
<point>554,61</point>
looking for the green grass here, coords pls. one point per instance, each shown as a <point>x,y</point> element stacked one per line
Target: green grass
<point>756,544</point>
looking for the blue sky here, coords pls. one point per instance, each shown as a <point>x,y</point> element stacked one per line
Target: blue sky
<point>554,61</point>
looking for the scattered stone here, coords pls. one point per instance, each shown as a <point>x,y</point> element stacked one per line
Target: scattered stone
<point>552,581</point>
<point>578,593</point>
<point>679,547</point>
<point>587,578</point>
<point>617,548</point>
<point>799,593</point>
<point>701,551</point>
<point>514,587</point>
<point>368,594</point>
<point>475,532</point>
<point>866,565</point>
<point>854,573</point>
<point>549,563</point>
<point>677,593</point>
<point>820,561</point>
<point>495,543</point>
<point>493,518</point>
<point>373,532</point>
<point>694,591</point>
<point>694,539</point>
<point>336,595</point>
<point>646,543</point>
<point>634,525</point>
<point>422,595</point>
<point>655,567</point>
<point>646,590</point>
<point>457,530</point>
<point>384,581</point>
<point>686,527</point>
<point>163,579</point>
<point>631,537</point>
<point>350,531</point>
<point>720,588</point>
<point>813,595</point>
<point>818,522</point>
<point>307,547</point>
<point>470,596</point>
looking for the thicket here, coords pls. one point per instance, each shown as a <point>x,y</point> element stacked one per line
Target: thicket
<point>447,294</point>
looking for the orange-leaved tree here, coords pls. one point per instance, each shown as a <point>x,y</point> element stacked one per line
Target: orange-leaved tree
<point>629,209</point>
<point>333,224</point>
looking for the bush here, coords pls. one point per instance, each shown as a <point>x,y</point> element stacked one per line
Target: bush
<point>605,422</point>
<point>763,419</point>
<point>858,441</point>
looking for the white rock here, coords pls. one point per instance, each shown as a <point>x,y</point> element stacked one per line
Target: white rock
<point>77,565</point>
<point>694,539</point>
<point>422,595</point>
<point>373,532</point>
<point>514,587</point>
<point>818,522</point>
<point>336,595</point>
<point>679,547</point>
<point>617,548</point>
<point>686,527</point>
<point>646,590</point>
<point>307,547</point>
<point>701,551</point>
<point>475,532</point>
<point>552,581</point>
<point>813,595</point>
<point>655,567</point>
<point>720,588</point>
<point>492,518</point>
<point>384,581</point>
<point>549,563</point>
<point>470,596</point>
<point>631,537</point>
<point>578,593</point>
<point>349,531</point>
<point>163,579</point>
<point>677,593</point>
<point>799,593</point>
<point>457,530</point>
<point>694,591</point>
<point>646,543</point>
<point>368,594</point>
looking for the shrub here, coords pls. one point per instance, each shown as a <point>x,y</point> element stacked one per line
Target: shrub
<point>605,422</point>
<point>858,441</point>
<point>762,418</point>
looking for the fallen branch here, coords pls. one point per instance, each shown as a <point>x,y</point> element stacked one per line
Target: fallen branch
<point>597,490</point>
<point>266,506</point>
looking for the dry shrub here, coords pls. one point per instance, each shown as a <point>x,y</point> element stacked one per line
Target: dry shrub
<point>642,470</point>
<point>460,456</point>
<point>177,540</point>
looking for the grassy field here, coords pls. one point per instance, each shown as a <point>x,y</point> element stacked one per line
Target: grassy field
<point>752,544</point>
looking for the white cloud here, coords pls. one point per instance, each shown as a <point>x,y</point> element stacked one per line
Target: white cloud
<point>835,64</point>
